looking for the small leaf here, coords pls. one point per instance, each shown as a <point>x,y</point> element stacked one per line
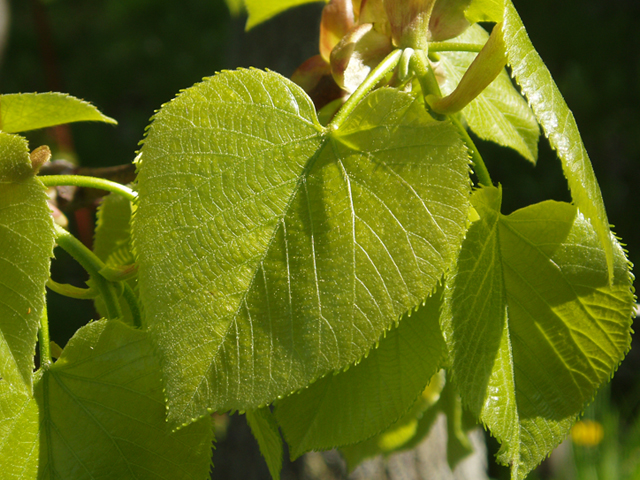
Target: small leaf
<point>559,126</point>
<point>532,323</point>
<point>272,251</point>
<point>265,430</point>
<point>98,412</point>
<point>262,10</point>
<point>499,114</point>
<point>352,406</point>
<point>485,11</point>
<point>26,247</point>
<point>20,112</point>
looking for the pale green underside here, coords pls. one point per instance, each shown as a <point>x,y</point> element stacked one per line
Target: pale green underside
<point>20,112</point>
<point>533,326</point>
<point>272,251</point>
<point>98,412</point>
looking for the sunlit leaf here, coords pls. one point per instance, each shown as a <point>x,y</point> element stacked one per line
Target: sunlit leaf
<point>485,11</point>
<point>558,124</point>
<point>262,10</point>
<point>533,325</point>
<point>499,113</point>
<point>354,405</point>
<point>272,250</point>
<point>265,430</point>
<point>26,247</point>
<point>20,112</point>
<point>98,412</point>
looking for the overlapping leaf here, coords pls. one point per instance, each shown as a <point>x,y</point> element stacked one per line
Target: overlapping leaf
<point>534,326</point>
<point>20,112</point>
<point>265,430</point>
<point>499,113</point>
<point>272,250</point>
<point>558,124</point>
<point>26,247</point>
<point>98,412</point>
<point>354,405</point>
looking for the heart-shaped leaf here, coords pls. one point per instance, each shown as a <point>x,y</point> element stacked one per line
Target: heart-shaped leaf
<point>26,248</point>
<point>273,250</point>
<point>98,412</point>
<point>533,324</point>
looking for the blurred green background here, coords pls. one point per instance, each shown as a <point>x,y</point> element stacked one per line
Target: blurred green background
<point>128,57</point>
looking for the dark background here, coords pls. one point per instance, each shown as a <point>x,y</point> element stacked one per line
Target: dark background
<point>128,57</point>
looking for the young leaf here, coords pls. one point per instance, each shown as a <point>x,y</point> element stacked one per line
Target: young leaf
<point>20,112</point>
<point>559,126</point>
<point>533,324</point>
<point>26,247</point>
<point>265,430</point>
<point>273,251</point>
<point>354,405</point>
<point>100,413</point>
<point>499,113</point>
<point>262,10</point>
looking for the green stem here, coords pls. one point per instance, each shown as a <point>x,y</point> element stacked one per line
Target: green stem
<point>454,47</point>
<point>132,302</point>
<point>71,291</point>
<point>384,67</point>
<point>429,85</point>
<point>92,264</point>
<point>43,338</point>
<point>88,182</point>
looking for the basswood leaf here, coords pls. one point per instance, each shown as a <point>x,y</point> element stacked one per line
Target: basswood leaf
<point>26,247</point>
<point>20,112</point>
<point>265,430</point>
<point>98,412</point>
<point>533,324</point>
<point>499,113</point>
<point>262,10</point>
<point>485,11</point>
<point>354,405</point>
<point>558,124</point>
<point>272,250</point>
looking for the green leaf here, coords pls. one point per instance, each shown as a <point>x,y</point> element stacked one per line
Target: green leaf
<point>26,247</point>
<point>271,250</point>
<point>559,126</point>
<point>354,405</point>
<point>484,11</point>
<point>18,433</point>
<point>20,112</point>
<point>265,430</point>
<point>406,433</point>
<point>235,7</point>
<point>262,10</point>
<point>100,413</point>
<point>532,323</point>
<point>499,113</point>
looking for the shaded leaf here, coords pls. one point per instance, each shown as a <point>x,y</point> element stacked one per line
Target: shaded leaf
<point>559,126</point>
<point>533,326</point>
<point>100,413</point>
<point>273,251</point>
<point>26,247</point>
<point>265,430</point>
<point>262,10</point>
<point>499,113</point>
<point>20,112</point>
<point>352,406</point>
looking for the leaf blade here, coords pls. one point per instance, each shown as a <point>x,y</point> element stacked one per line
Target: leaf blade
<point>20,112</point>
<point>260,11</point>
<point>265,430</point>
<point>26,247</point>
